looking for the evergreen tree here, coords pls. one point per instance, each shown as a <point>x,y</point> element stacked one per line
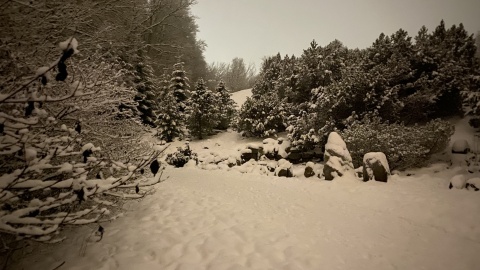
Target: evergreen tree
<point>170,123</point>
<point>202,111</point>
<point>226,106</point>
<point>179,85</point>
<point>261,116</point>
<point>146,96</point>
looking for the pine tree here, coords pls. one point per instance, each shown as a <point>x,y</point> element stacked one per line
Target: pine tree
<point>146,97</point>
<point>202,111</point>
<point>170,123</point>
<point>179,85</point>
<point>261,116</point>
<point>227,106</point>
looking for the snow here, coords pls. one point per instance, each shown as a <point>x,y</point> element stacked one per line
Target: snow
<point>205,220</point>
<point>30,154</point>
<point>460,146</point>
<point>243,218</point>
<point>41,71</point>
<point>475,181</point>
<point>463,131</point>
<point>458,181</point>
<point>336,145</point>
<point>241,96</point>
<point>69,43</point>
<point>90,146</point>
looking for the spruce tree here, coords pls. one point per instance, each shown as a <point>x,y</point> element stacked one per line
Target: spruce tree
<point>146,96</point>
<point>179,85</point>
<point>203,111</point>
<point>170,123</point>
<point>226,106</point>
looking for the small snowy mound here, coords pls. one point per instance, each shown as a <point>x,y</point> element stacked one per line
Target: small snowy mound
<point>458,181</point>
<point>375,167</point>
<point>309,171</point>
<point>460,147</point>
<point>337,158</point>
<point>275,149</point>
<point>284,168</point>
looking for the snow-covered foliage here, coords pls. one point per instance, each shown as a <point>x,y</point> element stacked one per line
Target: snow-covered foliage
<point>396,78</point>
<point>181,157</point>
<point>273,149</point>
<point>226,105</point>
<point>261,116</point>
<point>404,146</point>
<point>202,110</point>
<point>179,83</point>
<point>148,93</point>
<point>170,121</point>
<point>53,171</point>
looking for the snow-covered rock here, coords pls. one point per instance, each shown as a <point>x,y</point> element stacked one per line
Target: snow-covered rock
<point>375,167</point>
<point>309,171</point>
<point>460,147</point>
<point>458,181</point>
<point>473,184</point>
<point>284,168</point>
<point>337,158</point>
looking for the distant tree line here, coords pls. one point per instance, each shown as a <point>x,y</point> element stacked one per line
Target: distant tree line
<point>237,75</point>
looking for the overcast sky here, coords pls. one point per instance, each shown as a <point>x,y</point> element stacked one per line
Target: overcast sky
<point>252,29</point>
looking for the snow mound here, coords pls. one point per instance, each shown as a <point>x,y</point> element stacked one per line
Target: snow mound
<point>458,181</point>
<point>337,158</point>
<point>336,146</point>
<point>460,146</point>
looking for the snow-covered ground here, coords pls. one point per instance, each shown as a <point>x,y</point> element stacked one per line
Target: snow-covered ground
<point>218,219</point>
<point>241,96</point>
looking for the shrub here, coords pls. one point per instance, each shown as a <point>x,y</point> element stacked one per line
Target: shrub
<point>261,116</point>
<point>181,156</point>
<point>404,146</point>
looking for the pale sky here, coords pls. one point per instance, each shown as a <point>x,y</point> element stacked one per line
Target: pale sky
<point>252,29</point>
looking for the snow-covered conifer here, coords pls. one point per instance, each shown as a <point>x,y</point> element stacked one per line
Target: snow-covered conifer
<point>170,122</point>
<point>147,96</point>
<point>203,111</point>
<point>179,84</point>
<point>226,106</point>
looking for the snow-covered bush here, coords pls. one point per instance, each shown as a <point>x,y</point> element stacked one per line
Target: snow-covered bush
<point>181,156</point>
<point>56,127</point>
<point>404,146</point>
<point>261,116</point>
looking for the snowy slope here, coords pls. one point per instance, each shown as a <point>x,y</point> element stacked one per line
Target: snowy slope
<point>241,96</point>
